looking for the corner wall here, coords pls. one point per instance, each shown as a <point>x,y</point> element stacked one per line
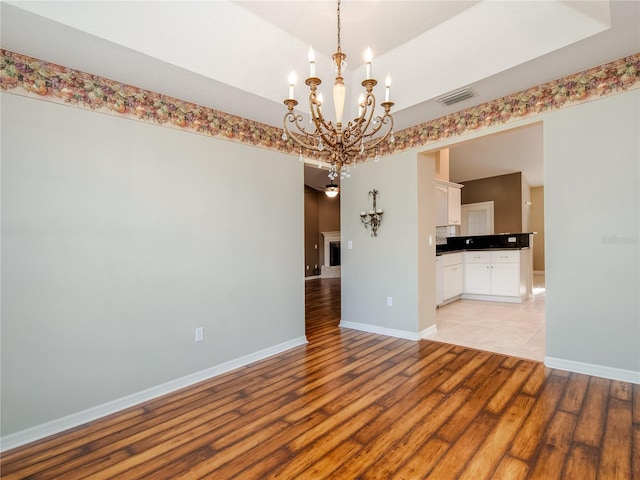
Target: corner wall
<point>119,238</point>
<point>592,226</point>
<point>394,263</point>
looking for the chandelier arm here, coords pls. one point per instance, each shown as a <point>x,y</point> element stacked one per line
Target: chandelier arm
<point>324,129</point>
<point>375,129</point>
<point>361,124</point>
<point>386,119</point>
<point>296,119</point>
<point>302,133</point>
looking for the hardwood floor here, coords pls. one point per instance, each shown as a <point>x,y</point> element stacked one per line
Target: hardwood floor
<point>355,405</point>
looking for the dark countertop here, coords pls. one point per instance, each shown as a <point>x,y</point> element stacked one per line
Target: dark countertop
<point>447,252</point>
<point>502,241</point>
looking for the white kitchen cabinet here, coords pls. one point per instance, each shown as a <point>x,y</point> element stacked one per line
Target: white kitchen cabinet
<point>495,275</point>
<point>452,276</point>
<point>439,281</point>
<point>454,205</point>
<point>505,273</point>
<point>448,204</point>
<point>477,278</point>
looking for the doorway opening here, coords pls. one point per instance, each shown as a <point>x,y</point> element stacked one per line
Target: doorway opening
<point>322,268</point>
<point>491,205</point>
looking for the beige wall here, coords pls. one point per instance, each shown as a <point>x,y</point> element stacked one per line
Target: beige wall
<point>537,225</point>
<point>506,193</point>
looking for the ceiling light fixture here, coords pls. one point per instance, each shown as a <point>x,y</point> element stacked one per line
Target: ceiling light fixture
<point>332,190</point>
<point>339,144</point>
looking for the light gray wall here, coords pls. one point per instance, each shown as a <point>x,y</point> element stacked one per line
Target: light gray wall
<point>118,239</point>
<point>387,265</point>
<point>592,227</point>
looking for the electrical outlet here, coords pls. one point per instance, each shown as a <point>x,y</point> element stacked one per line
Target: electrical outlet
<point>389,301</point>
<point>199,334</point>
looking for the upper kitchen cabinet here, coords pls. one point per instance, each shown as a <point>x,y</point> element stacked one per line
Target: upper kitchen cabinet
<point>448,200</point>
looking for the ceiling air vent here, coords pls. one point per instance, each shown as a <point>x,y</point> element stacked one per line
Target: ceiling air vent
<point>457,96</point>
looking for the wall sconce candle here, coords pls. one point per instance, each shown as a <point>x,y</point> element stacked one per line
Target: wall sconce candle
<point>372,219</point>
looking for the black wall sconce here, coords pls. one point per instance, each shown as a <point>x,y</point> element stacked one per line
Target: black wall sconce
<point>372,219</point>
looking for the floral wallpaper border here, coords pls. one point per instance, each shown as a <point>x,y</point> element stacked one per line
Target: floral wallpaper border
<point>28,76</point>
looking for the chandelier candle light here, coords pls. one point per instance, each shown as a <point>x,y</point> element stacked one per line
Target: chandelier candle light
<point>372,219</point>
<point>339,144</point>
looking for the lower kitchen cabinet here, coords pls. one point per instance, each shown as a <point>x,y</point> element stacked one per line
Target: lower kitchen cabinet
<point>499,275</point>
<point>477,278</point>
<point>452,277</point>
<point>453,281</point>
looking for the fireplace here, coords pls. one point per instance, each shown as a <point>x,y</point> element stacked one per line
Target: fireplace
<point>331,260</point>
<point>334,254</point>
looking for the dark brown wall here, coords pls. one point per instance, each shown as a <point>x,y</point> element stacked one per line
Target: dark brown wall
<point>311,231</point>
<point>506,193</point>
<point>321,214</point>
<point>328,219</point>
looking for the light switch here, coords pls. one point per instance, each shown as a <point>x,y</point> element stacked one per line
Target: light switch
<point>199,334</point>
<point>349,245</point>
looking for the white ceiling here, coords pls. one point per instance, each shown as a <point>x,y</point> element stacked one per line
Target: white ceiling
<point>235,56</point>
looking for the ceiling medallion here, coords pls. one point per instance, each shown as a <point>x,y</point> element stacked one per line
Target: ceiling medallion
<point>337,144</point>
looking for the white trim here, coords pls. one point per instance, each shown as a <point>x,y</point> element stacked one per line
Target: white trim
<point>593,370</point>
<point>75,419</point>
<point>328,238</point>
<point>428,331</point>
<point>390,332</point>
<point>491,298</point>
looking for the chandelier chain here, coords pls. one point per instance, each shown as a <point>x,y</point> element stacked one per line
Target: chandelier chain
<point>339,25</point>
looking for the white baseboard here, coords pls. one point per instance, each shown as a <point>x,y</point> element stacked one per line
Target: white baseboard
<point>428,331</point>
<point>61,424</point>
<point>390,332</point>
<point>593,370</point>
<point>491,298</point>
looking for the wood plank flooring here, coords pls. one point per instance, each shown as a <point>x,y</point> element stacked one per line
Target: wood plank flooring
<point>354,405</point>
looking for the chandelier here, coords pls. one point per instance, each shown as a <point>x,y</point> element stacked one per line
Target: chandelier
<point>336,143</point>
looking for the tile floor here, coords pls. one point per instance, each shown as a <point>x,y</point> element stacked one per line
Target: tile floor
<point>511,329</point>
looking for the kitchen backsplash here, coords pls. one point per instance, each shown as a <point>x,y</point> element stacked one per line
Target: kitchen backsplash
<point>442,233</point>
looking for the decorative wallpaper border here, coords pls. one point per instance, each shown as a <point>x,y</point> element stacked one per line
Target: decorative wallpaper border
<point>31,77</point>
